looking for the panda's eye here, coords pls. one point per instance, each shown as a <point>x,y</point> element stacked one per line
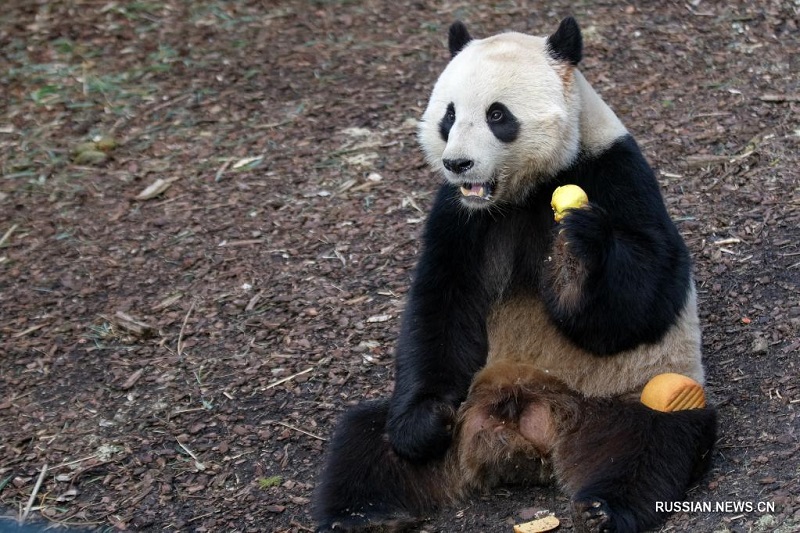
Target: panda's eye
<point>496,115</point>
<point>502,122</point>
<point>446,124</point>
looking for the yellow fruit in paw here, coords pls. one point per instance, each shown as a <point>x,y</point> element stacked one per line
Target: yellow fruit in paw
<point>673,392</point>
<point>567,197</point>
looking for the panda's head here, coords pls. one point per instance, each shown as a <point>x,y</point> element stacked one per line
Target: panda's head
<point>504,114</point>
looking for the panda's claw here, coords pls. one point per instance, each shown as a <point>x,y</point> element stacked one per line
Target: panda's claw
<point>592,515</point>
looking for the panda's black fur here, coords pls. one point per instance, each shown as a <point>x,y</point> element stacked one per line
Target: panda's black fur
<point>616,239</point>
<point>612,279</point>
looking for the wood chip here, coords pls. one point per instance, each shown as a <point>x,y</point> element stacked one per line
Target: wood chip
<point>132,325</point>
<point>253,301</point>
<point>27,331</point>
<point>132,379</point>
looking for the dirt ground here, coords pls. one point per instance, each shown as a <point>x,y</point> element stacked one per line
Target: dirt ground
<point>175,352</point>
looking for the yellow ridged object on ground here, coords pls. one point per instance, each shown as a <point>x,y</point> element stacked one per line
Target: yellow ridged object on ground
<point>673,392</point>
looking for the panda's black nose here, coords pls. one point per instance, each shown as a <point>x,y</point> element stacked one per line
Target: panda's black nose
<point>457,166</point>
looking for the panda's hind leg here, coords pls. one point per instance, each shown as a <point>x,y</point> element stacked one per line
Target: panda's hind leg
<point>365,485</point>
<point>621,458</point>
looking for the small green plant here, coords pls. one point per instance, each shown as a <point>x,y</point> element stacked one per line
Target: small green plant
<point>267,482</point>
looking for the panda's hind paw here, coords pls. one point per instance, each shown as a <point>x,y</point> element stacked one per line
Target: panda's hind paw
<point>592,515</point>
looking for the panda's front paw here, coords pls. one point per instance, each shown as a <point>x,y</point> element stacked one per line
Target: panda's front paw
<point>579,247</point>
<point>585,234</point>
<point>423,431</point>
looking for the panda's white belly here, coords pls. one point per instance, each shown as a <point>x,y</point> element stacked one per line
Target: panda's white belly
<point>520,330</point>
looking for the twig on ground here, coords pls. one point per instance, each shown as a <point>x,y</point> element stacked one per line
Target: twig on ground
<point>731,240</point>
<point>247,242</point>
<point>179,348</point>
<point>200,517</point>
<point>76,461</point>
<point>26,331</point>
<point>287,378</point>
<point>7,234</point>
<point>197,462</point>
<point>780,98</point>
<point>295,428</point>
<point>222,169</point>
<point>35,491</point>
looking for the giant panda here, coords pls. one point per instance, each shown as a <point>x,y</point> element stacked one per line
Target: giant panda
<point>525,343</point>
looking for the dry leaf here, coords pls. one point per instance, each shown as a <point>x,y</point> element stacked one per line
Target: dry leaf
<point>155,188</point>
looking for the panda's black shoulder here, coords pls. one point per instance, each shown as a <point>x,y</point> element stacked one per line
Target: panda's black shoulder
<point>621,162</point>
<point>620,179</point>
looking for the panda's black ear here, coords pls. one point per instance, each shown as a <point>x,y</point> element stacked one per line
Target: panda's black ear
<point>457,37</point>
<point>566,44</point>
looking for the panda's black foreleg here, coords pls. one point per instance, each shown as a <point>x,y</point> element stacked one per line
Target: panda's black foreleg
<point>365,485</point>
<point>613,284</point>
<point>624,458</point>
<point>443,340</point>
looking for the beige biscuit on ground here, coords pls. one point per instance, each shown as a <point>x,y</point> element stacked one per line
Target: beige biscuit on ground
<point>540,525</point>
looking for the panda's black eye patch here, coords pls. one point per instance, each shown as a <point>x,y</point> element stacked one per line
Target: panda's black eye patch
<point>502,122</point>
<point>446,124</point>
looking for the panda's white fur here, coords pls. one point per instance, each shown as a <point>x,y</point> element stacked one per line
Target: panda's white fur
<point>559,112</point>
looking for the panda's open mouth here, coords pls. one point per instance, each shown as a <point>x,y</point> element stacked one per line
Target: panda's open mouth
<point>477,191</point>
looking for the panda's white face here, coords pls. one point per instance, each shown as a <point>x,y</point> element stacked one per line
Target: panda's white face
<point>502,117</point>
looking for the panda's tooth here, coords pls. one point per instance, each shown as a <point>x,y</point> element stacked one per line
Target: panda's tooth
<point>479,190</point>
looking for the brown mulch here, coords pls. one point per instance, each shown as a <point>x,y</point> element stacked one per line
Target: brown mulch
<point>176,361</point>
